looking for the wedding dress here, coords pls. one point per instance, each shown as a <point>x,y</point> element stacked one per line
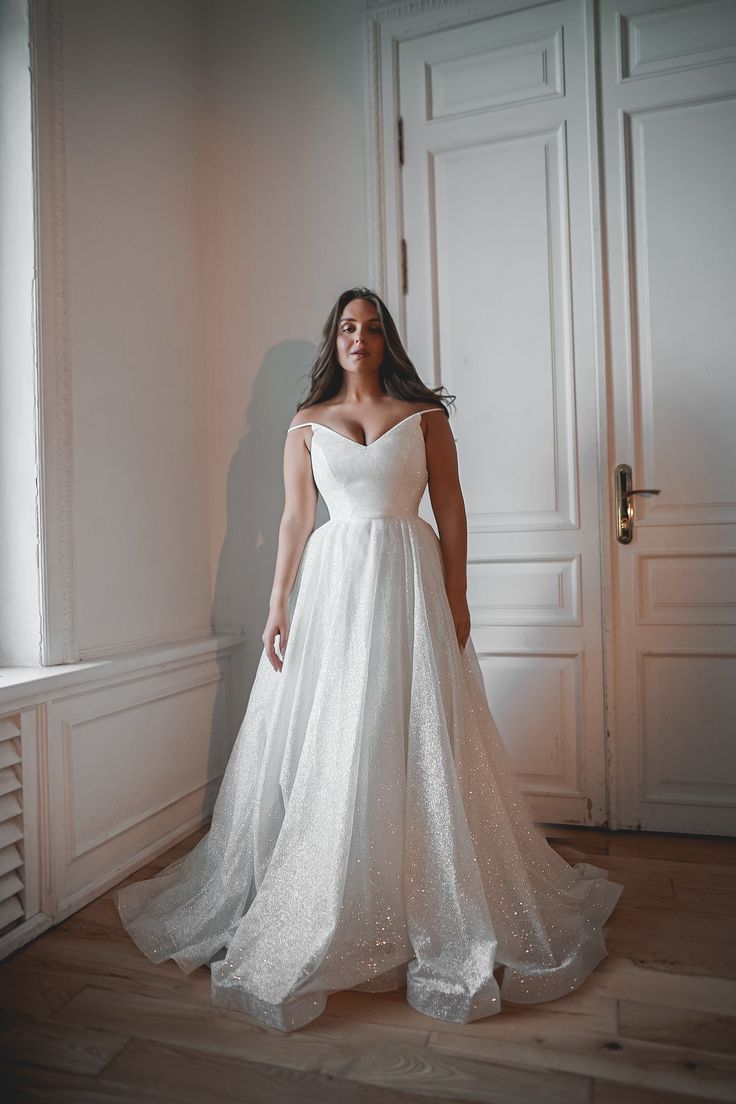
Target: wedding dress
<point>369,832</point>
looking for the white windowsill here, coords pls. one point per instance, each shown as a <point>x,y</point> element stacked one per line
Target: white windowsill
<point>27,684</point>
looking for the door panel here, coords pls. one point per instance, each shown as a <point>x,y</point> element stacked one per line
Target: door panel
<point>668,110</point>
<point>498,222</point>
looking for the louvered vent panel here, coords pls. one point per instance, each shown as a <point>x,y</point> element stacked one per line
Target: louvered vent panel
<point>12,886</point>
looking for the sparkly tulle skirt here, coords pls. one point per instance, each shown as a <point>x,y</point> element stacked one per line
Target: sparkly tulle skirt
<point>369,831</point>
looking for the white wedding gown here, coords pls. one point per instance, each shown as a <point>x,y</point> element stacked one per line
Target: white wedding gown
<point>369,831</point>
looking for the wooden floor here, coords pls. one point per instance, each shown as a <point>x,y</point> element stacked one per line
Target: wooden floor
<point>86,1017</point>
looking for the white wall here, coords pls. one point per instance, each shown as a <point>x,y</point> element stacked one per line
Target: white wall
<point>285,202</point>
<point>209,206</point>
<point>216,194</point>
<point>132,73</point>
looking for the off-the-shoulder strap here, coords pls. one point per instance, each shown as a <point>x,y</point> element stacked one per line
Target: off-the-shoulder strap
<point>431,411</point>
<point>301,426</point>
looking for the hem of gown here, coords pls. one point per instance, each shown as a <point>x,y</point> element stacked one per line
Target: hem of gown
<point>517,986</point>
<point>443,999</point>
<point>520,986</point>
<point>287,1016</point>
<point>387,982</point>
<point>153,941</point>
<point>158,953</point>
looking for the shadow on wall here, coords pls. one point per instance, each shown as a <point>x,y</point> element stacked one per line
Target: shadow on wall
<point>255,503</point>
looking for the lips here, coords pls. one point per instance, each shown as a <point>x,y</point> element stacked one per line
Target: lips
<point>359,354</point>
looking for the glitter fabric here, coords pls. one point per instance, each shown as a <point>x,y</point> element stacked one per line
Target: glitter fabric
<point>369,832</point>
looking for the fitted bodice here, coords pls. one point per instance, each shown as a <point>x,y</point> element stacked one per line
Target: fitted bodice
<point>386,478</point>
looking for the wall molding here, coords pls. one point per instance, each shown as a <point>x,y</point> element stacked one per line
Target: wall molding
<point>53,369</point>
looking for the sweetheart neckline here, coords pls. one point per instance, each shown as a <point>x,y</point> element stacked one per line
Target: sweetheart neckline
<point>360,443</point>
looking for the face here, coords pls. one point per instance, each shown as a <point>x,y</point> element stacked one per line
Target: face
<point>360,341</point>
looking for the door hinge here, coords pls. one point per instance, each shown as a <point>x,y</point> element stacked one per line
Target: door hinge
<point>404,269</point>
<point>400,125</point>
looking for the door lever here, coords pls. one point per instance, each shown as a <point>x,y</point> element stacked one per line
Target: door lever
<point>623,493</point>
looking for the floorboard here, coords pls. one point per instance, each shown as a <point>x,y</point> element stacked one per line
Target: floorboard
<point>85,1017</point>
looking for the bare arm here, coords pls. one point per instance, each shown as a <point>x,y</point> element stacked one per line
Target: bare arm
<point>448,506</point>
<point>297,522</point>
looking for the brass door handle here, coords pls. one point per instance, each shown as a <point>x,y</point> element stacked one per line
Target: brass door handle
<point>623,492</point>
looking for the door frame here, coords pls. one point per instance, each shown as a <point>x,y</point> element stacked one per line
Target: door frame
<point>387,24</point>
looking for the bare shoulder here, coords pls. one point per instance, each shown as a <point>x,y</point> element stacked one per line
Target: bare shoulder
<point>407,409</point>
<point>439,423</point>
<point>302,416</point>
<point>439,441</point>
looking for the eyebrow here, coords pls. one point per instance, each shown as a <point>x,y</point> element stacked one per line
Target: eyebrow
<point>347,318</point>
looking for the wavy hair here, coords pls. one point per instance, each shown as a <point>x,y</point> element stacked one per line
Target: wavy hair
<point>398,375</point>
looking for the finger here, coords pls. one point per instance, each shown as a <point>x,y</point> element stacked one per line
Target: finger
<point>273,658</point>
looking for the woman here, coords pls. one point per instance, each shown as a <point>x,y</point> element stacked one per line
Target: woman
<point>369,832</point>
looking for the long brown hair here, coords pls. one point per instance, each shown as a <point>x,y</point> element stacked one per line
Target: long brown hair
<point>398,375</point>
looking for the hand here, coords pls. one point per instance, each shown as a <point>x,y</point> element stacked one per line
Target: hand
<point>460,617</point>
<point>277,625</point>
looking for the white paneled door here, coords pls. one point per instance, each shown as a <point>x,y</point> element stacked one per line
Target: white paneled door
<point>499,308</point>
<point>509,274</point>
<point>668,108</point>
